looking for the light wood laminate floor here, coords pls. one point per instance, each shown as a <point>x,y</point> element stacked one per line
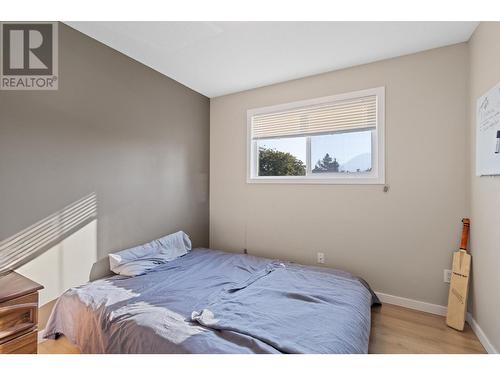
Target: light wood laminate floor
<point>394,330</point>
<point>398,330</point>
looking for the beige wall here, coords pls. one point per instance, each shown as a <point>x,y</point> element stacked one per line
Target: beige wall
<point>485,191</point>
<point>136,138</point>
<point>399,241</point>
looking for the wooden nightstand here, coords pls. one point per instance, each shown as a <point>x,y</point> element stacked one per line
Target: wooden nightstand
<point>18,314</point>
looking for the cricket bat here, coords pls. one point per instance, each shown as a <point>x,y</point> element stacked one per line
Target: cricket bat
<point>459,284</point>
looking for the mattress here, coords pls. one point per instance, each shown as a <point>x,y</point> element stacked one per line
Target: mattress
<point>211,301</point>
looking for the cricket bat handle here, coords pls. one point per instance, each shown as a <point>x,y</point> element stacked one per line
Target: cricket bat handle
<point>465,234</point>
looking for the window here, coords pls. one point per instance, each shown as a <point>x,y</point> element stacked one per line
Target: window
<point>337,139</point>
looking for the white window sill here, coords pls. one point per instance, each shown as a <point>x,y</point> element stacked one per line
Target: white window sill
<point>312,180</point>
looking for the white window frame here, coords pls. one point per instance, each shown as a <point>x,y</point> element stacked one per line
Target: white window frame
<point>375,177</point>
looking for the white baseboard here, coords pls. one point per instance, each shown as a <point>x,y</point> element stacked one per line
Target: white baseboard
<point>481,335</point>
<point>438,310</point>
<point>40,336</point>
<point>412,304</point>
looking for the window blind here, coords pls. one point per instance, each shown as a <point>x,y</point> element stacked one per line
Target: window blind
<point>346,115</point>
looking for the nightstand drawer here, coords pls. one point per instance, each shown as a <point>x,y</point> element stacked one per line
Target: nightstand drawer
<point>25,344</point>
<point>17,316</point>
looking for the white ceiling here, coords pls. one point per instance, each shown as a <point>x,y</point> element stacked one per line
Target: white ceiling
<point>218,58</point>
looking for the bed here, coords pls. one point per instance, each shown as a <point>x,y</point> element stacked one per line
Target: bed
<point>210,301</point>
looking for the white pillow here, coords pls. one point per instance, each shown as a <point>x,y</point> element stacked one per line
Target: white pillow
<point>137,260</point>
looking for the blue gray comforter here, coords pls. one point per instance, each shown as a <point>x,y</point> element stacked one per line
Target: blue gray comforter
<point>214,302</point>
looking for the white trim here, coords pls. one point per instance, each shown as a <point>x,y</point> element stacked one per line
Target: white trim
<point>437,310</point>
<point>311,180</point>
<point>376,176</point>
<point>412,304</point>
<point>40,335</point>
<point>308,157</point>
<point>481,335</point>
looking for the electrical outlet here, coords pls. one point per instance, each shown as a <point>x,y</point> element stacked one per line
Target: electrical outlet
<point>447,276</point>
<point>321,258</point>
